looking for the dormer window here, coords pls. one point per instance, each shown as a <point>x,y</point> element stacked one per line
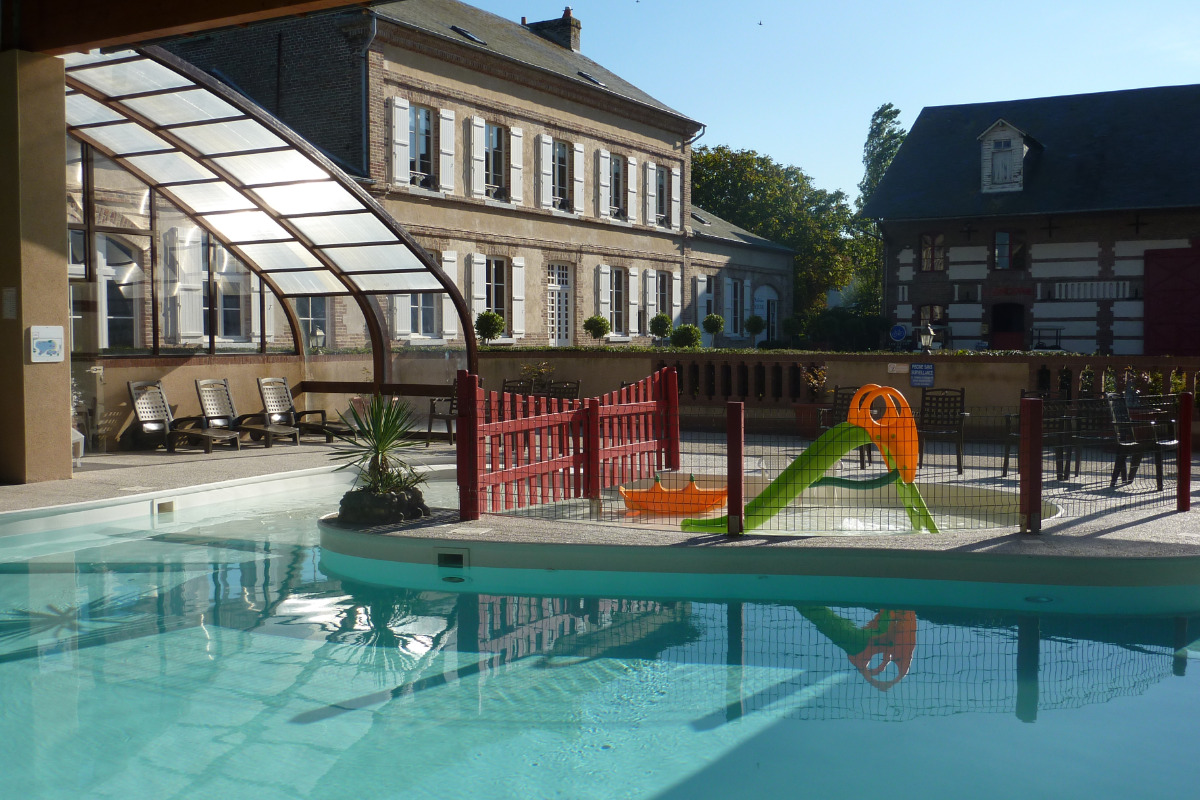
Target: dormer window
<point>1002,153</point>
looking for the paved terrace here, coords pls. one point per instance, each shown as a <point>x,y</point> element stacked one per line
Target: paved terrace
<point>1147,533</point>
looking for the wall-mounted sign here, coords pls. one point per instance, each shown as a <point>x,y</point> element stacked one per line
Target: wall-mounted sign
<point>897,369</point>
<point>898,333</point>
<point>46,343</point>
<point>921,375</point>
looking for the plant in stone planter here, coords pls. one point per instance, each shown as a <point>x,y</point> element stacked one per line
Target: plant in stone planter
<point>386,488</point>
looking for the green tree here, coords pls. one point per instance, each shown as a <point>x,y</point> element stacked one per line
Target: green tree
<point>686,336</point>
<point>489,325</point>
<point>884,137</point>
<point>597,326</point>
<point>713,324</point>
<point>779,203</point>
<point>660,326</point>
<point>755,325</point>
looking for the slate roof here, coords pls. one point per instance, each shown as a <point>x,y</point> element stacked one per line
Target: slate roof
<point>706,225</point>
<point>513,41</point>
<point>1134,149</point>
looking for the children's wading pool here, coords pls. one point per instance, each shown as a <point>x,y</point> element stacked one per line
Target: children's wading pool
<point>217,652</point>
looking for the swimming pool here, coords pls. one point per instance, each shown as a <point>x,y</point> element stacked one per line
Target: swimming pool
<point>212,651</point>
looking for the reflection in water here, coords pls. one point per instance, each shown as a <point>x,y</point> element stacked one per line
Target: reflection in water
<point>891,635</point>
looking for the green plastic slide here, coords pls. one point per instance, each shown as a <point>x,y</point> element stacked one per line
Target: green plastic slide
<point>809,469</point>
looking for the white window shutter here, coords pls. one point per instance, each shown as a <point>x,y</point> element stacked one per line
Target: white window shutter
<point>604,291</point>
<point>401,315</point>
<point>747,304</point>
<point>518,297</point>
<point>477,264</point>
<point>399,144</point>
<point>545,151</point>
<point>631,292</point>
<point>577,177</point>
<point>676,195</point>
<point>191,299</point>
<point>650,282</point>
<point>631,180</point>
<point>478,134</point>
<point>698,297</point>
<point>446,149</point>
<point>727,303</point>
<point>651,193</point>
<point>255,316</point>
<point>449,312</point>
<point>603,184</point>
<point>676,298</point>
<point>516,165</point>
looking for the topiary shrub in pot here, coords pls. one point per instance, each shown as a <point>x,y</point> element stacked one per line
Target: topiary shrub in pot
<point>385,491</point>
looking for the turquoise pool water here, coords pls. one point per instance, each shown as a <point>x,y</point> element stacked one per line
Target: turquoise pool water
<point>215,653</point>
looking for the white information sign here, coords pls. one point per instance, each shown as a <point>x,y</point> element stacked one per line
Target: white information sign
<point>46,343</point>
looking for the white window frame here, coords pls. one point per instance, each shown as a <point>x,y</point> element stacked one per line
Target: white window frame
<point>618,301</point>
<point>561,183</point>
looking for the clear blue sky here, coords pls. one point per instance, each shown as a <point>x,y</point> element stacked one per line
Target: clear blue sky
<point>801,87</point>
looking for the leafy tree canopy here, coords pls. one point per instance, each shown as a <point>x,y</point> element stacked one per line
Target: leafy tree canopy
<point>884,137</point>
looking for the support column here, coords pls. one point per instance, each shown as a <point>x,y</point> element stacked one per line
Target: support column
<point>35,403</point>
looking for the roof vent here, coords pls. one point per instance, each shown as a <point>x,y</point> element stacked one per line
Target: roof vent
<point>466,34</point>
<point>564,31</point>
<point>593,79</point>
<point>700,219</point>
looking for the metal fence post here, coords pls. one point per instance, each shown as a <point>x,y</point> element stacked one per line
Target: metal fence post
<point>468,445</point>
<point>1030,456</point>
<point>1183,455</point>
<point>735,467</point>
<point>591,449</point>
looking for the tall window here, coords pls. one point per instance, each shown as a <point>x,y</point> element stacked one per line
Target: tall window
<point>420,146</point>
<point>1002,161</point>
<point>561,176</point>
<point>495,274</point>
<point>618,303</point>
<point>932,315</point>
<point>424,314</point>
<point>707,283</point>
<point>1008,251</point>
<point>314,323</point>
<point>495,161</point>
<point>736,308</point>
<point>618,192</point>
<point>933,252</point>
<point>662,197</point>
<point>663,292</point>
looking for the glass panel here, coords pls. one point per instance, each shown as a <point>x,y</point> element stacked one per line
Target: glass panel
<point>76,253</point>
<point>344,229</point>
<point>279,167</point>
<point>227,137</point>
<point>307,283</point>
<point>131,77</point>
<point>206,197</point>
<point>279,328</point>
<point>185,106</point>
<point>121,200</point>
<point>395,282</point>
<point>74,181</point>
<point>374,259</point>
<point>312,314</point>
<point>125,139</point>
<point>237,311</point>
<point>92,57</point>
<point>180,277</point>
<point>246,226</point>
<point>83,110</point>
<point>123,313</point>
<point>280,255</point>
<point>308,198</point>
<point>171,168</point>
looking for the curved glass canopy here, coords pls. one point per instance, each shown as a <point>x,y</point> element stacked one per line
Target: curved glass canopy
<point>295,219</point>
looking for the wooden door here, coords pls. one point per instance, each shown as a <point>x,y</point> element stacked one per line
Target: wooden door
<point>1172,289</point>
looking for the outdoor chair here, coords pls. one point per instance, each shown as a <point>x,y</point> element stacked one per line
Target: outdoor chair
<point>829,417</point>
<point>563,390</point>
<point>1146,430</point>
<point>216,405</point>
<point>445,409</point>
<point>280,410</point>
<point>517,386</point>
<point>943,417</point>
<point>1058,428</point>
<point>1091,427</point>
<point>155,422</point>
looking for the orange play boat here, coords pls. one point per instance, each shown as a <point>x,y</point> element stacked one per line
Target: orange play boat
<point>691,499</point>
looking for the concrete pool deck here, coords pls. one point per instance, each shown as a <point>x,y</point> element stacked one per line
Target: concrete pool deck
<point>1153,533</point>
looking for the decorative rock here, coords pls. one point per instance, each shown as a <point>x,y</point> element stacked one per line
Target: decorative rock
<point>361,507</point>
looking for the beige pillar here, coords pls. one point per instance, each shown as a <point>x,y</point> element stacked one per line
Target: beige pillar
<point>35,398</point>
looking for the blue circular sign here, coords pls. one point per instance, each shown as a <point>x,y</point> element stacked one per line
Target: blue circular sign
<point>899,333</point>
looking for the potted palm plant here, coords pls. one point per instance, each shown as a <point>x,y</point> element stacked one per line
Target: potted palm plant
<point>385,490</point>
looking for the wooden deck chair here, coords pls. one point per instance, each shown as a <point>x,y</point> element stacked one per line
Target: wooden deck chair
<point>280,409</point>
<point>444,409</point>
<point>216,405</point>
<point>156,423</point>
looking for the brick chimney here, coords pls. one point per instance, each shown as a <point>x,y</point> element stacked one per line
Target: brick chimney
<point>564,32</point>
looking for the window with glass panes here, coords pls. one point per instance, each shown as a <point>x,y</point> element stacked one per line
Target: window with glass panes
<point>662,197</point>
<point>663,292</point>
<point>618,304</point>
<point>311,313</point>
<point>420,146</point>
<point>495,279</point>
<point>736,309</point>
<point>618,195</point>
<point>495,161</point>
<point>424,314</point>
<point>933,252</point>
<point>561,175</point>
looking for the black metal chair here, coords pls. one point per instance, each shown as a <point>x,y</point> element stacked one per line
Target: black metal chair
<point>1057,432</point>
<point>563,390</point>
<point>942,417</point>
<point>837,413</point>
<point>1148,430</point>
<point>444,409</point>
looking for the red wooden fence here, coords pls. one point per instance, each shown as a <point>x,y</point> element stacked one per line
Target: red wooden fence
<point>519,450</point>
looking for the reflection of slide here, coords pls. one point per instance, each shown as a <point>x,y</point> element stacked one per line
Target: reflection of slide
<point>891,635</point>
<point>894,433</point>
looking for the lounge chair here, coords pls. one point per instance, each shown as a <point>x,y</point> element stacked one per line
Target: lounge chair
<point>156,423</point>
<point>280,409</point>
<point>216,404</point>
